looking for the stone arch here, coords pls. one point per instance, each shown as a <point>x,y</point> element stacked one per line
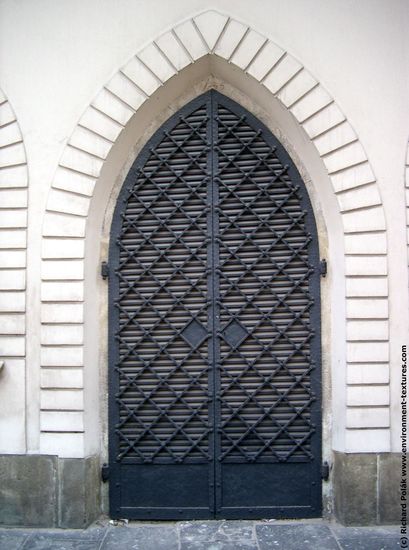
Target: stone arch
<point>350,173</point>
<point>13,244</point>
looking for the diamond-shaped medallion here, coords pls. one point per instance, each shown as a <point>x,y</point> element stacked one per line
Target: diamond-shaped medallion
<point>194,334</point>
<point>234,334</point>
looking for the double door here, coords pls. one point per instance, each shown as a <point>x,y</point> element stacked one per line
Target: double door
<point>214,326</point>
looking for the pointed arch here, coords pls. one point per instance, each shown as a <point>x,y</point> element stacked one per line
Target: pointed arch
<point>13,243</point>
<point>353,183</point>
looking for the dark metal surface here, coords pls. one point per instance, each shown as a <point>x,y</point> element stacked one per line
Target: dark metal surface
<point>104,270</point>
<point>105,473</point>
<point>214,325</point>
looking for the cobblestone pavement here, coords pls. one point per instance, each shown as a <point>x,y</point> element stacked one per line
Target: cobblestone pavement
<point>205,535</point>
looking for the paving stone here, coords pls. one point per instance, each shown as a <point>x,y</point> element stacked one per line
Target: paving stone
<point>363,538</point>
<point>295,537</point>
<point>351,543</point>
<point>238,530</point>
<point>12,541</point>
<point>94,533</point>
<point>220,531</point>
<point>218,545</point>
<point>204,535</point>
<point>47,542</point>
<point>141,538</point>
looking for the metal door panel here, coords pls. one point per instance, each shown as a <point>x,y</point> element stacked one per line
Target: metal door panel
<point>214,325</point>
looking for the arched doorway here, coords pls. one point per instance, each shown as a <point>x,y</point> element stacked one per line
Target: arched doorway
<point>214,325</point>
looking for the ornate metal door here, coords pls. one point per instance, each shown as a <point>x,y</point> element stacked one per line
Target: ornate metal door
<point>214,326</point>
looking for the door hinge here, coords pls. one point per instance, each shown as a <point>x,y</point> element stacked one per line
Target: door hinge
<point>323,267</point>
<point>104,270</point>
<point>325,471</point>
<point>105,472</point>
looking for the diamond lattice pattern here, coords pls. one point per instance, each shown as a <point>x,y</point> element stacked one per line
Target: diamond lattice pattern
<point>264,286</point>
<point>163,397</point>
<point>214,304</point>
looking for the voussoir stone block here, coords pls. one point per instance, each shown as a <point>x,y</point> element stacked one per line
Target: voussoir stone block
<point>65,445</point>
<point>377,417</point>
<point>13,198</point>
<point>360,396</point>
<point>362,352</point>
<point>229,41</point>
<point>366,287</point>
<point>80,161</point>
<point>61,421</point>
<point>68,203</point>
<point>14,323</point>
<point>361,308</point>
<point>247,49</point>
<point>62,270</point>
<point>84,139</point>
<point>366,243</point>
<point>190,38</point>
<point>311,103</point>
<point>58,248</point>
<point>14,238</point>
<point>210,25</point>
<point>56,225</point>
<point>14,176</point>
<point>353,176</point>
<point>12,258</point>
<point>359,198</point>
<point>323,121</point>
<point>367,330</point>
<point>335,138</point>
<point>12,346</point>
<point>12,302</point>
<point>6,114</point>
<point>101,124</point>
<point>62,356</point>
<point>13,219</point>
<point>265,60</point>
<point>174,51</point>
<point>284,70</point>
<point>72,378</point>
<point>369,219</point>
<point>364,373</point>
<point>366,265</point>
<point>121,86</point>
<point>62,313</point>
<point>10,134</point>
<point>141,76</point>
<point>12,279</point>
<point>66,399</point>
<point>53,335</point>
<point>107,102</point>
<point>157,63</point>
<point>298,86</point>
<point>12,155</point>
<point>350,155</point>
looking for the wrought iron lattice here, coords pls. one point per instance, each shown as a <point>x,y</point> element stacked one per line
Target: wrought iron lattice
<point>214,294</point>
<point>264,293</point>
<point>163,364</point>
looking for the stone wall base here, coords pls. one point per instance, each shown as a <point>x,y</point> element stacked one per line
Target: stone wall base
<point>47,491</point>
<point>366,488</point>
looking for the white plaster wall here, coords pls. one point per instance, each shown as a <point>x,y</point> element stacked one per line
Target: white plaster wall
<point>56,56</point>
